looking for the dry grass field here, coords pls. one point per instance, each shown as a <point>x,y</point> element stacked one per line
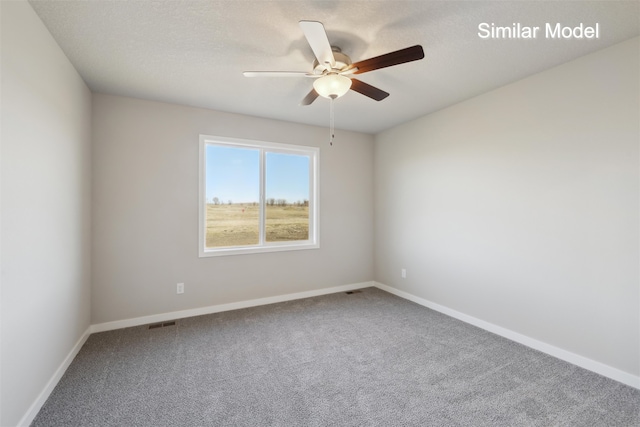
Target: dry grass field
<point>237,224</point>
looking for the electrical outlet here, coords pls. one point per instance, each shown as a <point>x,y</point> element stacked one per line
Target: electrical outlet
<point>403,273</point>
<point>180,288</point>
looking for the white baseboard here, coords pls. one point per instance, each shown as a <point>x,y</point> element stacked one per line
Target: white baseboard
<point>163,317</point>
<point>35,407</point>
<point>567,356</point>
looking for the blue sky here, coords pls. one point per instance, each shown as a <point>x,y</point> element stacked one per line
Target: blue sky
<point>233,174</point>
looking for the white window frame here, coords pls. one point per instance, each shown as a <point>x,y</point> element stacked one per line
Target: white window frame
<point>263,246</point>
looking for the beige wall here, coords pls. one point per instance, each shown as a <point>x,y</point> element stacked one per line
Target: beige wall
<point>520,207</point>
<point>145,212</point>
<point>45,210</point>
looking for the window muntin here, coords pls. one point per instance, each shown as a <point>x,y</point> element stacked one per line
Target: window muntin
<point>256,196</point>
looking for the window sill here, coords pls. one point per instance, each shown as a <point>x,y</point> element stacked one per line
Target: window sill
<point>245,250</point>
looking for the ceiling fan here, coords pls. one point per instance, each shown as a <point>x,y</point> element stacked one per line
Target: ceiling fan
<point>332,69</point>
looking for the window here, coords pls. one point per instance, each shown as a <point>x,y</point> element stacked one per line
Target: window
<point>256,196</point>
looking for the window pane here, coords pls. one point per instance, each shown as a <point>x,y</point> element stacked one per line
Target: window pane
<point>287,197</point>
<point>232,194</point>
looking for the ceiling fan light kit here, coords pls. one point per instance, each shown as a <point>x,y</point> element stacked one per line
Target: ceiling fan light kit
<point>332,85</point>
<point>332,68</point>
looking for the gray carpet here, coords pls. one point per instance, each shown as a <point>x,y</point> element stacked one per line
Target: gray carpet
<point>364,359</point>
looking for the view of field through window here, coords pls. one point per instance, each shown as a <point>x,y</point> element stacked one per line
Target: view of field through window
<point>233,194</point>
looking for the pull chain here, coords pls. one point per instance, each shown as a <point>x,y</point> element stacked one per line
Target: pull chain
<point>331,122</point>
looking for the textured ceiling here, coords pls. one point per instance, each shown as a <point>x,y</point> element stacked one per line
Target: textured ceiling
<point>194,52</point>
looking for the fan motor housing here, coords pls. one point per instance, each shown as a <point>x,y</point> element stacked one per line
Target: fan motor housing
<point>342,62</point>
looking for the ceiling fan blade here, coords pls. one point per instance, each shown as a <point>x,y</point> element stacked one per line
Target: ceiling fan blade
<point>311,96</point>
<point>278,74</point>
<point>401,56</point>
<point>317,38</point>
<point>368,90</point>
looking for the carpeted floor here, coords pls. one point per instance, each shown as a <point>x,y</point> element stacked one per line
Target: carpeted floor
<point>362,359</point>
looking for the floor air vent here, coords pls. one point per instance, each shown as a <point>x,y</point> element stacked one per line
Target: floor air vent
<point>162,325</point>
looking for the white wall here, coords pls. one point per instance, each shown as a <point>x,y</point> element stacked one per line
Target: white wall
<point>45,211</point>
<point>520,207</point>
<point>145,212</point>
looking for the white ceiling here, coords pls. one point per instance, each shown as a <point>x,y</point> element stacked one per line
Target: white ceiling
<point>194,52</point>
